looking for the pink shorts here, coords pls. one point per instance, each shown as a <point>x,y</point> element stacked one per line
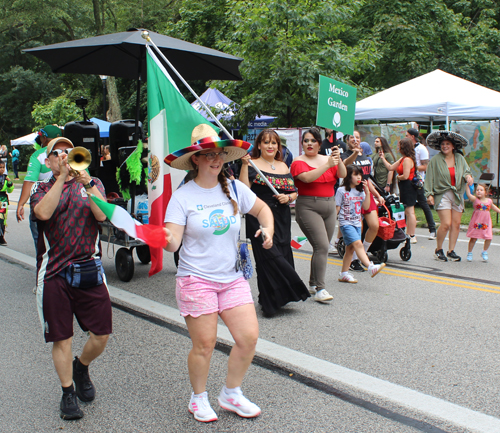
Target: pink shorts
<point>196,296</point>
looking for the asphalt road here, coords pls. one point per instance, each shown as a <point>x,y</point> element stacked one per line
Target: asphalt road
<point>421,330</point>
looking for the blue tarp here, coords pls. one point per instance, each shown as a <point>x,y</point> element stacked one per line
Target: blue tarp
<point>103,126</point>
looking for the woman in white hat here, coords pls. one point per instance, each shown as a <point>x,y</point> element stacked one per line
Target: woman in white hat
<point>204,214</point>
<point>446,178</point>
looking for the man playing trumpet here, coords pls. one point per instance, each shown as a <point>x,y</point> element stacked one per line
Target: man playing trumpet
<point>70,278</point>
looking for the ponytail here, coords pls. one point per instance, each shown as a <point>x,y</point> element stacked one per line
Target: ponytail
<point>223,184</point>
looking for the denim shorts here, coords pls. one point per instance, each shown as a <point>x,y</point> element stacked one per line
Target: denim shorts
<point>351,234</point>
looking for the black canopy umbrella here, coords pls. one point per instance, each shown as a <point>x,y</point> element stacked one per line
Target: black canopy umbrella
<point>124,55</point>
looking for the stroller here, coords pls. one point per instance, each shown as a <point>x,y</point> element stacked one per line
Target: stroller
<point>379,247</point>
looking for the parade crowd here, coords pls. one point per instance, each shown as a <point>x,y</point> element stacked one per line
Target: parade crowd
<point>332,183</point>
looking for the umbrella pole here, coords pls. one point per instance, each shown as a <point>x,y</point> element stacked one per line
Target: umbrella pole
<point>137,103</point>
<point>145,35</point>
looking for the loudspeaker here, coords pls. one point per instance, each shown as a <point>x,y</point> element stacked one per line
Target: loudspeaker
<point>122,134</point>
<point>85,134</point>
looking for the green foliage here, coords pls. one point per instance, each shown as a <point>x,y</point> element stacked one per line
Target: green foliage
<point>202,22</point>
<point>19,88</point>
<point>155,15</point>
<point>413,37</point>
<point>60,111</point>
<point>286,46</point>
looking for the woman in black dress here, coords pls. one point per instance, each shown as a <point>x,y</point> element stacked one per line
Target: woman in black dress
<point>277,280</point>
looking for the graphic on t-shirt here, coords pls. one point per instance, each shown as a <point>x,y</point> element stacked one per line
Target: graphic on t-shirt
<point>351,206</point>
<point>219,222</point>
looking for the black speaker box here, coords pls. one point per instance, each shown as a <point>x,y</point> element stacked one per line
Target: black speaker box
<point>85,134</point>
<point>122,134</point>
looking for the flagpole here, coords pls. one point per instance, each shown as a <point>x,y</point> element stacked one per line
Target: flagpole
<point>145,35</point>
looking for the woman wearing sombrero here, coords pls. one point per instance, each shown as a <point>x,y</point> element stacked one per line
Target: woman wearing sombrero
<point>446,178</point>
<point>204,215</point>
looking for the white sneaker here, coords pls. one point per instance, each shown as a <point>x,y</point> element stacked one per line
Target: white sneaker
<point>323,296</point>
<point>238,403</point>
<point>432,236</point>
<point>375,269</point>
<point>200,407</point>
<point>413,239</point>
<point>347,278</point>
<point>332,249</point>
<point>312,290</point>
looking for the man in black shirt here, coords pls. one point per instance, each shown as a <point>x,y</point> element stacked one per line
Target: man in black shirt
<point>330,141</point>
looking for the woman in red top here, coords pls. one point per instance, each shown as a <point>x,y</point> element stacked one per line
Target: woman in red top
<point>405,167</point>
<point>315,176</point>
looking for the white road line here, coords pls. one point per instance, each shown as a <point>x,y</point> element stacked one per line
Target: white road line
<point>479,241</point>
<point>425,404</point>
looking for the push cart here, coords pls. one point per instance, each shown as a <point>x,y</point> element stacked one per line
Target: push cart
<point>124,260</point>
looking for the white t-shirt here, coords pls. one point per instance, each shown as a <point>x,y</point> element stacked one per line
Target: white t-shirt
<point>211,230</point>
<point>421,154</point>
<point>351,203</point>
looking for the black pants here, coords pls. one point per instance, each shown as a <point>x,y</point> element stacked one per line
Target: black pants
<point>422,202</point>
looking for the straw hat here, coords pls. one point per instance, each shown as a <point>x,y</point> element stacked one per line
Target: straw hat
<point>53,142</point>
<point>205,137</point>
<point>435,139</point>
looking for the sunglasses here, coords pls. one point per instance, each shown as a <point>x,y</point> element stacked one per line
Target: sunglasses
<point>212,155</point>
<point>57,152</point>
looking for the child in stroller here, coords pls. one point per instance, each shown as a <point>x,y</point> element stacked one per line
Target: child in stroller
<point>379,247</point>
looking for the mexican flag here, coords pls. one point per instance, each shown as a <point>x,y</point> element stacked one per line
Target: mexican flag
<point>398,215</point>
<point>171,122</point>
<point>154,236</point>
<point>298,242</point>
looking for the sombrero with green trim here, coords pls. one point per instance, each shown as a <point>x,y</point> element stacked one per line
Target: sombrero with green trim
<point>205,137</point>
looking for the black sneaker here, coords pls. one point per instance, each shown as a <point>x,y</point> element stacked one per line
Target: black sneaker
<point>453,256</point>
<point>356,266</point>
<point>69,407</point>
<point>439,254</point>
<point>84,388</point>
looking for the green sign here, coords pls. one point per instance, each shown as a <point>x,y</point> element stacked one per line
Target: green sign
<point>336,105</point>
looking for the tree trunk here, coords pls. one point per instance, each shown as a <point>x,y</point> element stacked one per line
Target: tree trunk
<point>99,25</point>
<point>114,112</point>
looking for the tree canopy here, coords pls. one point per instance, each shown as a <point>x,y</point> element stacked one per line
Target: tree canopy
<point>285,44</point>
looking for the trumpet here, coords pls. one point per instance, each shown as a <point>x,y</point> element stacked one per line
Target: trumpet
<point>79,159</point>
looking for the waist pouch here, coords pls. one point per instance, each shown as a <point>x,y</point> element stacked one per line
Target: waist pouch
<point>84,275</point>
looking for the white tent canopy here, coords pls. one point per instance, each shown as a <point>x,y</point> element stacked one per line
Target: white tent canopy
<point>436,96</point>
<point>26,140</point>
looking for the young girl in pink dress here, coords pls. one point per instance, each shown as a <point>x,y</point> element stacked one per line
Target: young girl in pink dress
<point>480,223</point>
